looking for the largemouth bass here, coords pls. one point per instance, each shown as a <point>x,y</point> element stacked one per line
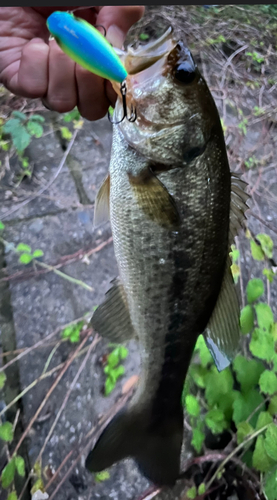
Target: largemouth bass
<point>174,209</point>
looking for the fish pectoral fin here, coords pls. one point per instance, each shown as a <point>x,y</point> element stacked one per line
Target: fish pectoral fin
<point>223,330</point>
<point>238,205</point>
<point>112,318</point>
<point>102,203</point>
<point>154,199</point>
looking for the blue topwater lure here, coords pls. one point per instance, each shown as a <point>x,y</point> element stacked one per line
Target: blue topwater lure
<point>88,47</point>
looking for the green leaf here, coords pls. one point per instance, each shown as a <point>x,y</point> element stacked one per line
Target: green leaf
<point>6,432</point>
<point>2,226</point>
<point>123,352</point>
<point>22,247</point>
<point>118,371</point>
<point>217,384</point>
<point>264,418</point>
<point>268,382</point>
<point>204,353</point>
<point>270,485</point>
<point>269,274</point>
<point>34,128</point>
<point>245,404</point>
<point>109,386</point>
<point>201,489</point>
<point>198,438</point>
<point>20,465</point>
<point>143,36</point>
<point>20,137</point>
<point>12,496</point>
<point>261,461</point>
<point>246,319</point>
<point>113,358</point>
<point>254,289</point>
<point>66,134</point>
<point>7,476</point>
<point>72,115</point>
<point>270,442</point>
<point>262,345</point>
<point>25,258</point>
<point>191,492</point>
<point>72,332</point>
<point>38,253</point>
<point>192,405</point>
<point>226,404</point>
<point>215,420</point>
<point>265,316</point>
<point>37,118</point>
<point>234,253</point>
<point>248,372</point>
<point>11,125</point>
<point>18,114</point>
<point>272,408</point>
<point>3,379</point>
<point>101,476</point>
<point>256,251</point>
<point>266,244</point>
<point>198,374</point>
<point>244,429</point>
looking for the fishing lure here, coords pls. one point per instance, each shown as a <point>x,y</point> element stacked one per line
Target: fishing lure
<point>88,47</point>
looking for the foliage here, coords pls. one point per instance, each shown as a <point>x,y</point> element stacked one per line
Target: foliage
<point>101,476</point>
<point>113,369</point>
<point>16,133</point>
<point>243,397</point>
<point>16,464</point>
<point>25,253</point>
<point>72,332</point>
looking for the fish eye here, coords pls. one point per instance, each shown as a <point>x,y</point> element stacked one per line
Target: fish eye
<point>185,72</point>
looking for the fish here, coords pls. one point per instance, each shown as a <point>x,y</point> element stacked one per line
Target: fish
<point>174,208</point>
<point>86,45</point>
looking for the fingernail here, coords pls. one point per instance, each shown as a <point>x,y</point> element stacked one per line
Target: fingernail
<point>115,36</point>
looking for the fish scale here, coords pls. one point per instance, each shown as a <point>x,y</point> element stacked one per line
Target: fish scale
<point>168,195</point>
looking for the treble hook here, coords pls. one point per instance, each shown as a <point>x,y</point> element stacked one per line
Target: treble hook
<point>133,115</point>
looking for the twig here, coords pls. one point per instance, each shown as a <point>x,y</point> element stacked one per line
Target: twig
<point>54,385</point>
<point>41,190</point>
<point>39,343</point>
<point>228,62</point>
<point>65,276</point>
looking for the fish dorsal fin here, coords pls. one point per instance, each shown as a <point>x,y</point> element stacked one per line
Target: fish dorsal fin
<point>154,199</point>
<point>102,203</point>
<point>223,331</point>
<point>238,205</point>
<point>112,319</point>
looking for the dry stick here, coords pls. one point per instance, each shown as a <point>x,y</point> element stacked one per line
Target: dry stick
<point>65,260</point>
<point>39,379</point>
<point>72,385</point>
<point>233,453</point>
<point>269,226</point>
<point>39,343</point>
<point>54,385</point>
<point>228,62</point>
<point>41,190</point>
<point>104,420</point>
<point>65,276</point>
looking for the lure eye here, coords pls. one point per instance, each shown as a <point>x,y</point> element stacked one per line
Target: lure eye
<point>185,72</point>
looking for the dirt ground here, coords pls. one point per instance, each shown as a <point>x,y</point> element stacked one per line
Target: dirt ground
<point>35,302</point>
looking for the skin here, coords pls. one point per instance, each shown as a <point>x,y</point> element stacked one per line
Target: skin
<point>33,67</point>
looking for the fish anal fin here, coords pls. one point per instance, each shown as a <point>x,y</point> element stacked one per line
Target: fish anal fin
<point>155,449</point>
<point>223,330</point>
<point>111,319</point>
<point>238,207</point>
<point>154,199</point>
<point>102,203</point>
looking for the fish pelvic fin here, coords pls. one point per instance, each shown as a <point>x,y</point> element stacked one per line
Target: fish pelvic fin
<point>156,448</point>
<point>112,318</point>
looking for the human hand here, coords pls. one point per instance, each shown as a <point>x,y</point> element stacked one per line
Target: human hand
<point>31,66</point>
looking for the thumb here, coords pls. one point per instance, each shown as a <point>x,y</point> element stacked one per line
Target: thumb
<point>118,20</point>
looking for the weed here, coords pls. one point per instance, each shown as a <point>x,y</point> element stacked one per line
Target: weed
<point>113,369</point>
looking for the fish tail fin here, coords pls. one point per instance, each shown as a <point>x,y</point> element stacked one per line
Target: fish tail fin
<point>155,448</point>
